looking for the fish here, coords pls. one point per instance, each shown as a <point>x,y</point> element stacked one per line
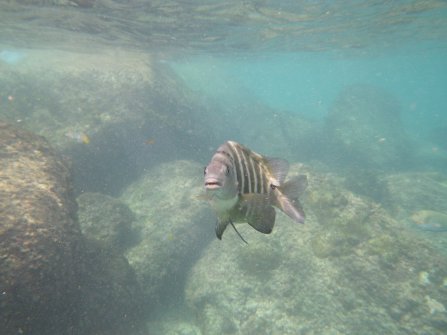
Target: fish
<point>149,141</point>
<point>78,137</point>
<point>431,221</point>
<point>243,186</point>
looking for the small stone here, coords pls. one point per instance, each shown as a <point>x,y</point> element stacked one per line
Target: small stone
<point>424,278</point>
<point>434,305</point>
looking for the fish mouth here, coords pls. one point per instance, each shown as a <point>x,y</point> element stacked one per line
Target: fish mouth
<point>212,185</point>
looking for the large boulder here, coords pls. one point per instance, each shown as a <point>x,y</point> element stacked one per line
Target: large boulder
<point>174,226</point>
<point>111,298</point>
<point>417,200</point>
<point>114,112</point>
<point>364,128</point>
<point>39,238</point>
<point>106,220</point>
<point>350,269</point>
<point>418,190</point>
<point>52,280</point>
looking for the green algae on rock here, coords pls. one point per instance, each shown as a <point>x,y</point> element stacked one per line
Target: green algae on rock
<point>414,191</point>
<point>173,225</point>
<point>364,124</point>
<point>39,237</point>
<point>353,273</point>
<point>116,99</point>
<point>106,220</point>
<point>259,260</point>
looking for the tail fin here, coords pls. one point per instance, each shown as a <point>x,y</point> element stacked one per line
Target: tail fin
<point>287,199</point>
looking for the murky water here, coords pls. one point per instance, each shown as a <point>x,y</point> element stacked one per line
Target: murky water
<point>134,97</point>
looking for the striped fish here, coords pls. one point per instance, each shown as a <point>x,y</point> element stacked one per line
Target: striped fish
<point>243,186</point>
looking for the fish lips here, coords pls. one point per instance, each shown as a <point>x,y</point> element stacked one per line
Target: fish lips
<point>212,184</point>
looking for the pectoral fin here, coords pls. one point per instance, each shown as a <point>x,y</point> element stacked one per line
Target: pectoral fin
<point>263,221</point>
<point>258,211</point>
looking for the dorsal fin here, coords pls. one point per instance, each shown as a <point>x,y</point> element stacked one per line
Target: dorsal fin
<point>278,168</point>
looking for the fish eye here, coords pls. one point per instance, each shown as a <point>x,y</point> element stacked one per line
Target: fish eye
<point>204,170</point>
<point>227,171</point>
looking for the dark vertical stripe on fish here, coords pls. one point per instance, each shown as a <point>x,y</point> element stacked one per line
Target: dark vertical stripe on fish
<point>237,166</point>
<point>260,178</point>
<point>251,172</point>
<point>247,178</point>
<point>257,174</point>
<point>265,181</point>
<point>254,175</point>
<point>241,164</point>
<point>241,156</point>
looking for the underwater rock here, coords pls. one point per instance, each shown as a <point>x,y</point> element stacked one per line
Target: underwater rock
<point>106,220</point>
<point>53,281</point>
<point>172,324</point>
<point>83,3</point>
<point>364,126</point>
<point>39,238</point>
<point>111,299</point>
<point>417,200</point>
<point>174,227</point>
<point>414,191</point>
<point>114,112</point>
<point>361,278</point>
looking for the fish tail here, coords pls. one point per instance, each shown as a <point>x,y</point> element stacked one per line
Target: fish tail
<point>287,198</point>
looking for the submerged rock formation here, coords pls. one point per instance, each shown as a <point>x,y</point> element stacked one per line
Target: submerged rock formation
<point>107,221</point>
<point>52,281</point>
<point>115,113</point>
<point>350,269</point>
<point>413,191</point>
<point>364,128</point>
<point>39,238</point>
<point>175,227</point>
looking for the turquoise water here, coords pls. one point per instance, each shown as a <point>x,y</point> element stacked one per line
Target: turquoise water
<point>136,96</point>
<point>308,83</point>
